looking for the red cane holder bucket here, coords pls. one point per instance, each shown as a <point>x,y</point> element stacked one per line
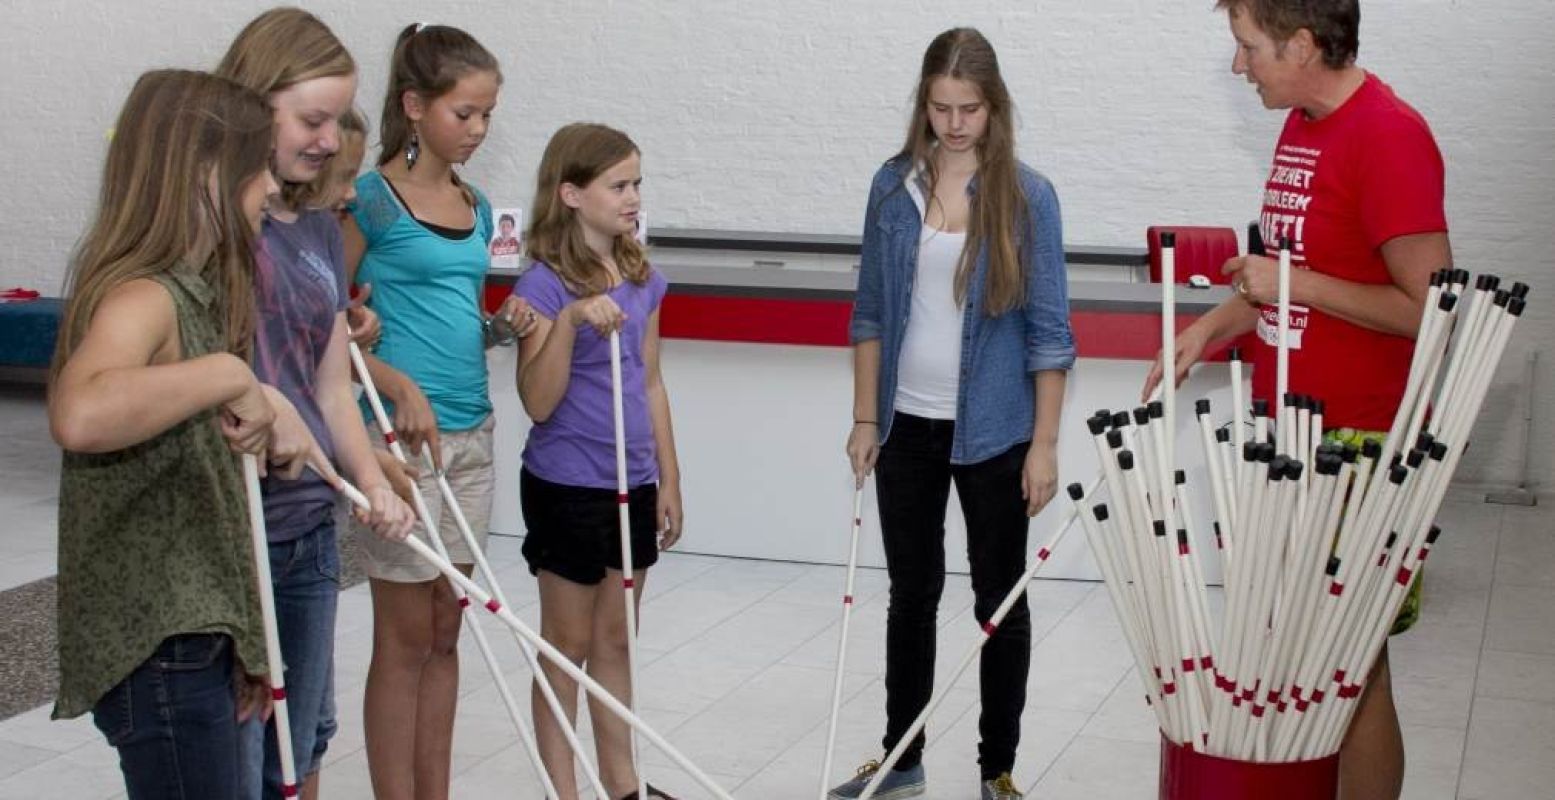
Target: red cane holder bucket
<point>1190,775</point>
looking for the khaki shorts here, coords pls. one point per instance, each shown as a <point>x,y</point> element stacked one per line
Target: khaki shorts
<point>468,467</point>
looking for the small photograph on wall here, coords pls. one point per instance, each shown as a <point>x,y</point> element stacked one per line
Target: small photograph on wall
<point>506,242</point>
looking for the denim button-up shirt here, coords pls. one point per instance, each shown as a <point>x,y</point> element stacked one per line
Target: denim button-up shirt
<point>995,406</point>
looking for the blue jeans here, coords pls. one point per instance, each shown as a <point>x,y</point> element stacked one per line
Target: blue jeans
<point>305,574</point>
<point>174,721</point>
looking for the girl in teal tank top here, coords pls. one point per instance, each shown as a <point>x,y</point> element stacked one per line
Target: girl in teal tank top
<point>418,234</point>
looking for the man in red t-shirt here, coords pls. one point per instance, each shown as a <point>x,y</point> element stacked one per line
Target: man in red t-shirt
<point>1356,186</point>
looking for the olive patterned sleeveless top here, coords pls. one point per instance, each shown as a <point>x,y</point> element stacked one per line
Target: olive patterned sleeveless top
<point>154,539</point>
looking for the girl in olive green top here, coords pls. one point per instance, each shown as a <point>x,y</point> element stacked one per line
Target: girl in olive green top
<point>159,621</point>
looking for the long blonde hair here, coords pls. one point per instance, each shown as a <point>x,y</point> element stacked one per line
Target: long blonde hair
<point>278,50</point>
<point>179,132</point>
<point>577,154</point>
<point>999,209</point>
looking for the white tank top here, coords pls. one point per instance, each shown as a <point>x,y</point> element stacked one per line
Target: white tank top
<point>929,370</point>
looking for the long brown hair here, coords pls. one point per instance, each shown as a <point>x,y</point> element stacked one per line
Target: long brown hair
<point>999,209</point>
<point>278,50</point>
<point>577,154</point>
<point>428,60</point>
<point>179,132</point>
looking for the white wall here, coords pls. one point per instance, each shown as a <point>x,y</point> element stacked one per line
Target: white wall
<point>773,116</point>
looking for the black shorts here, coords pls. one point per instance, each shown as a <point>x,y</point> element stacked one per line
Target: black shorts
<point>575,531</point>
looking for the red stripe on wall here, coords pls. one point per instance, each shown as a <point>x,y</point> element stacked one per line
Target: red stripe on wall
<point>749,319</point>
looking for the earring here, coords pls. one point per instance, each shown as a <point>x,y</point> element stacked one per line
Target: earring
<point>412,150</point>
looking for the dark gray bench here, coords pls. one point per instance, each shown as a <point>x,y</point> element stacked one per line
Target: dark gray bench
<point>27,333</point>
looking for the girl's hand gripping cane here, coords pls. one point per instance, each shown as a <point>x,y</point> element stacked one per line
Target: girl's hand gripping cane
<point>248,423</point>
<point>863,450</point>
<point>293,448</point>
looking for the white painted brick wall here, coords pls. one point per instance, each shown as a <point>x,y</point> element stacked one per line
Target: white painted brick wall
<point>774,115</point>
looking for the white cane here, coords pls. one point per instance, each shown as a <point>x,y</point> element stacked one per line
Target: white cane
<point>628,588</point>
<point>256,525</point>
<point>842,640</point>
<point>549,651</point>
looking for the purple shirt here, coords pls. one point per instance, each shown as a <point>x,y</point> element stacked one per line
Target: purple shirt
<point>576,446</point>
<point>299,287</point>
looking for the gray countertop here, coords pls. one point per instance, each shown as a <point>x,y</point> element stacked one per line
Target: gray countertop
<point>847,244</point>
<point>1092,286</point>
<point>1084,295</point>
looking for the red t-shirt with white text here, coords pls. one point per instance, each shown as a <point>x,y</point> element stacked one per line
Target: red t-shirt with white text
<point>1340,187</point>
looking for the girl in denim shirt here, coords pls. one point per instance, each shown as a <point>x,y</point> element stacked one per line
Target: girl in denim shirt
<point>961,350</point>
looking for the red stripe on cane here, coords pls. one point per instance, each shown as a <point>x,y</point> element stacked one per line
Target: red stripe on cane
<point>493,606</point>
<point>627,583</point>
<point>858,521</point>
<point>1272,697</point>
<point>1182,548</point>
<point>1207,662</point>
<point>1043,554</point>
<point>1339,676</point>
<point>388,437</point>
<point>1281,707</point>
<point>464,602</point>
<point>278,694</point>
<point>1382,559</point>
<point>1248,695</point>
<point>1187,665</point>
<point>1336,588</point>
<point>289,790</point>
<point>1302,705</point>
<point>1169,688</point>
<point>621,498</point>
<point>1295,692</point>
<point>1404,575</point>
<point>847,599</point>
<point>1258,711</point>
<point>1317,696</point>
<point>989,628</point>
<point>1424,551</point>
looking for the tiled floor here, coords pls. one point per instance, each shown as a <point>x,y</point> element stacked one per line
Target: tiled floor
<point>737,659</point>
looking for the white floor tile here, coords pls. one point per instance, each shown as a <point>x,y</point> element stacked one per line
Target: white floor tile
<point>1093,768</point>
<point>1510,751</point>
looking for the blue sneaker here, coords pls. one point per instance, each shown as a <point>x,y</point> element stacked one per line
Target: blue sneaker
<point>898,783</point>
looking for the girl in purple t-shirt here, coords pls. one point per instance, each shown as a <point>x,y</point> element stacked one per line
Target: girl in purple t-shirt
<point>591,277</point>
